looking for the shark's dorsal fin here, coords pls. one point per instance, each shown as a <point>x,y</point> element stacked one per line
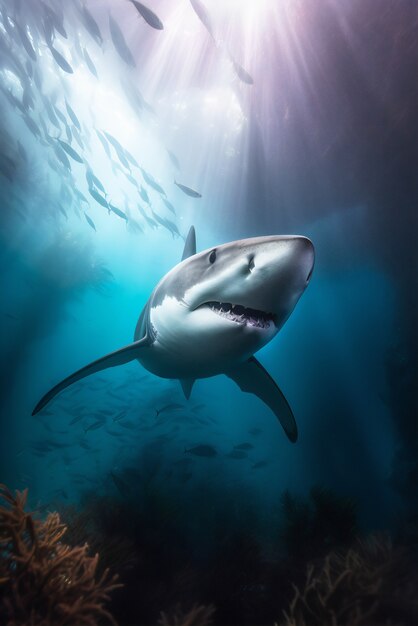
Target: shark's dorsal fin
<point>119,357</point>
<point>190,244</point>
<point>253,378</point>
<point>187,386</point>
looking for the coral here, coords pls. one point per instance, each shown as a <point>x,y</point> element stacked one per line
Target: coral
<point>197,616</point>
<point>371,583</point>
<point>43,581</point>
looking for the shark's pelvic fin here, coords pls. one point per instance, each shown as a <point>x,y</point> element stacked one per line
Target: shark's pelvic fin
<point>187,385</point>
<point>253,378</point>
<point>190,244</point>
<point>119,357</point>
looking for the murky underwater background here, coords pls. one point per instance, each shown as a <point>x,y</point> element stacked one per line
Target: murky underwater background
<point>289,117</point>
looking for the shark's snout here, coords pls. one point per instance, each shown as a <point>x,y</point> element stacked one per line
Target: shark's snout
<point>306,252</point>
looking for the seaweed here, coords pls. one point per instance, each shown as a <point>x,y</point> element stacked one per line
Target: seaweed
<point>43,581</point>
<point>370,583</point>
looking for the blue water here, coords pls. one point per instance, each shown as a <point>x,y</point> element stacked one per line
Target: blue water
<point>294,153</point>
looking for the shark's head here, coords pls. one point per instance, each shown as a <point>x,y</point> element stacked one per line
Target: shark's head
<point>233,297</point>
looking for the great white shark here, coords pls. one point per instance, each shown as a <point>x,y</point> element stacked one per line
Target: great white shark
<point>212,312</point>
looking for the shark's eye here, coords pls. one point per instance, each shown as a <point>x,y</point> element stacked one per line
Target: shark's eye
<point>212,256</point>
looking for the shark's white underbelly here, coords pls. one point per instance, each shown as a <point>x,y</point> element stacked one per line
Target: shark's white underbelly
<point>199,345</point>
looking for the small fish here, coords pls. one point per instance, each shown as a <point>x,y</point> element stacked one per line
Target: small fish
<point>62,157</point>
<point>77,137</point>
<point>169,407</point>
<point>129,424</point>
<point>76,419</point>
<point>242,74</point>
<point>117,211</point>
<point>61,61</point>
<point>91,223</point>
<point>26,42</point>
<point>91,25</point>
<point>198,407</point>
<point>244,446</point>
<point>80,196</point>
<point>188,191</point>
<point>144,195</point>
<point>151,182</point>
<point>98,198</point>
<point>89,63</point>
<point>130,158</point>
<point>119,149</point>
<point>255,431</point>
<point>95,425</point>
<point>32,125</point>
<point>119,416</point>
<point>60,115</point>
<point>203,15</point>
<point>202,450</point>
<point>93,181</point>
<point>73,117</point>
<point>169,206</point>
<point>236,454</point>
<point>148,15</point>
<point>104,143</point>
<point>50,112</point>
<point>173,159</point>
<point>9,315</point>
<point>120,44</point>
<point>259,465</point>
<point>70,151</point>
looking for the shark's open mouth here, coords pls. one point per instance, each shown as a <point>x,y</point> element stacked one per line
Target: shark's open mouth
<point>242,315</point>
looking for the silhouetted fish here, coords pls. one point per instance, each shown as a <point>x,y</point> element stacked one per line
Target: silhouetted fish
<point>89,63</point>
<point>236,454</point>
<point>169,407</point>
<point>259,465</point>
<point>202,450</point>
<point>117,211</point>
<point>242,74</point>
<point>73,117</point>
<point>148,15</point>
<point>120,44</point>
<point>91,223</point>
<point>98,198</point>
<point>244,446</point>
<point>151,182</point>
<point>188,191</point>
<point>169,206</point>
<point>203,15</point>
<point>70,151</point>
<point>97,424</point>
<point>61,61</point>
<point>26,41</point>
<point>91,25</point>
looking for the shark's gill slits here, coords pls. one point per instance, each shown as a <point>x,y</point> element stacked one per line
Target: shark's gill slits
<point>242,315</point>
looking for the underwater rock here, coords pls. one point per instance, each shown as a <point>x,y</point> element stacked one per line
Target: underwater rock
<point>43,580</point>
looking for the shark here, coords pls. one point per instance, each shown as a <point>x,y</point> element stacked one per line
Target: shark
<point>212,312</point>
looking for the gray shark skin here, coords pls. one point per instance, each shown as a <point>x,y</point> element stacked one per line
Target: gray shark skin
<point>212,312</point>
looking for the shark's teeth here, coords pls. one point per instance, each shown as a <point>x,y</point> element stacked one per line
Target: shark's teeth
<point>242,315</point>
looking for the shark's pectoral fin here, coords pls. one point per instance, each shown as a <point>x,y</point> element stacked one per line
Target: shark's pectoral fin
<point>190,244</point>
<point>187,385</point>
<point>253,378</point>
<point>119,357</point>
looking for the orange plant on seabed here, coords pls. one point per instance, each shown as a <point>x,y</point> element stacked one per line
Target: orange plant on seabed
<point>43,581</point>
